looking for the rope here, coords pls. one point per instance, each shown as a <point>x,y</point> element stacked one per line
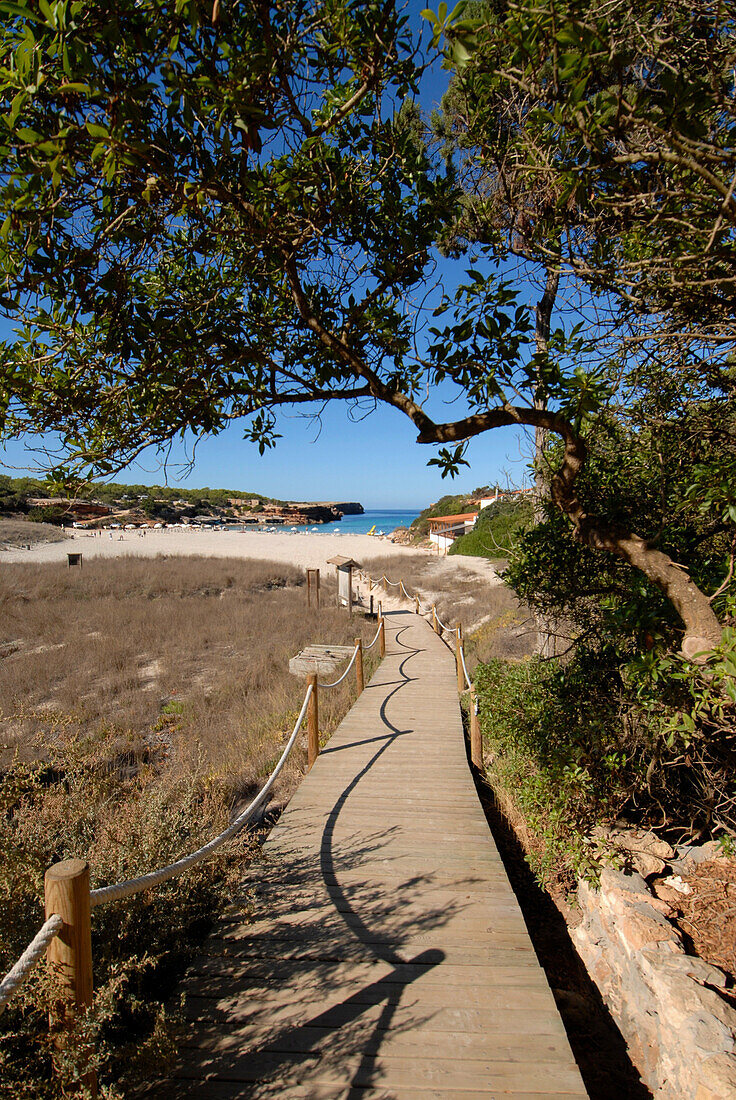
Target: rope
<point>154,878</point>
<point>465,670</point>
<point>347,670</point>
<point>400,584</point>
<point>375,639</point>
<point>444,626</point>
<point>35,951</point>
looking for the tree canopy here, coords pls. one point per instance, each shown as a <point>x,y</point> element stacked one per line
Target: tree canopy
<point>213,210</point>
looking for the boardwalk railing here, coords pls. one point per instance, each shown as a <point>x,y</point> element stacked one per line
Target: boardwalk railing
<point>455,640</point>
<point>66,935</point>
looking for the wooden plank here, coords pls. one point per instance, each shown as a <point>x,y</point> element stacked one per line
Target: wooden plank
<point>377,951</point>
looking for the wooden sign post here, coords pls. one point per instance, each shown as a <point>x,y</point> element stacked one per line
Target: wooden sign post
<point>312,583</point>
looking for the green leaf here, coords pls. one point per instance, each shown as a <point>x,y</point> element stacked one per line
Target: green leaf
<point>95,130</point>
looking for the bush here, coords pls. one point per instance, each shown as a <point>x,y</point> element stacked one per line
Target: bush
<point>496,530</point>
<point>552,750</point>
<point>576,744</point>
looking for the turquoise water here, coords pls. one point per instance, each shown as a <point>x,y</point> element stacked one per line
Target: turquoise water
<point>385,521</point>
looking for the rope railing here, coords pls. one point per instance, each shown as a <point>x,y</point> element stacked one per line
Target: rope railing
<point>398,584</point>
<point>461,651</point>
<point>69,900</point>
<point>38,946</point>
<point>133,886</point>
<point>443,626</point>
<point>347,670</point>
<point>32,955</point>
<point>375,637</point>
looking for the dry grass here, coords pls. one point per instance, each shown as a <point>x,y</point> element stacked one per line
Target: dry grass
<point>495,622</point>
<point>19,532</point>
<point>140,702</point>
<point>174,656</point>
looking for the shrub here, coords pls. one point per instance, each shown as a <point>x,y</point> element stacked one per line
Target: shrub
<point>496,530</point>
<point>551,748</point>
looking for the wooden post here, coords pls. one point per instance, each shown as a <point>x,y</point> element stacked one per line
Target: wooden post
<point>312,721</point>
<point>69,955</point>
<point>476,741</point>
<point>382,638</point>
<point>435,624</point>
<point>312,582</point>
<point>458,659</point>
<point>417,600</point>
<point>359,665</point>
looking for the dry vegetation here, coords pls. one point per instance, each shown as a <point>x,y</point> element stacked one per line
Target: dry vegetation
<point>19,532</point>
<point>140,703</point>
<point>495,622</point>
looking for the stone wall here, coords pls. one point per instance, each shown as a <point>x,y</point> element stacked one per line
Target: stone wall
<point>680,1031</point>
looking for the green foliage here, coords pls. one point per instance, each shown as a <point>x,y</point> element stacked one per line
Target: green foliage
<point>445,506</point>
<point>49,514</point>
<point>644,461</point>
<point>550,734</point>
<point>218,166</point>
<point>594,740</point>
<point>152,499</point>
<point>496,530</point>
<point>608,124</point>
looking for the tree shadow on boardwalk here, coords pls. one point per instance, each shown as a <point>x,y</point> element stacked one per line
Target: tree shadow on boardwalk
<point>314,992</point>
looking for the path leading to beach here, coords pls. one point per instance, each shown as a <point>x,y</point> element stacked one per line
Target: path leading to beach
<point>378,951</point>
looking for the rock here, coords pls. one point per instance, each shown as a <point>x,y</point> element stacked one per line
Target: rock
<point>628,884</point>
<point>643,848</point>
<point>649,854</point>
<point>647,864</point>
<point>681,1032</point>
<point>718,1078</point>
<point>694,854</point>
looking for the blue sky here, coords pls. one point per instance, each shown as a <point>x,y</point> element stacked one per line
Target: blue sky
<point>375,461</point>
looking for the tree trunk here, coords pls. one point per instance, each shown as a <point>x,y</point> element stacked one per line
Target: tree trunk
<point>546,625</point>
<point>702,628</point>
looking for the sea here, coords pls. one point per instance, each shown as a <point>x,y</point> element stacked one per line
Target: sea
<point>384,522</point>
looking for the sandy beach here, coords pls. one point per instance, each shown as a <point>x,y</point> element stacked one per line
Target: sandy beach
<point>306,550</point>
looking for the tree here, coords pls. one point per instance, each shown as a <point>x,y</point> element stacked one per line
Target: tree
<point>621,119</point>
<point>213,212</point>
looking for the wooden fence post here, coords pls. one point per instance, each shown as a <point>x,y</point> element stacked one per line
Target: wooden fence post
<point>382,637</point>
<point>435,624</point>
<point>312,721</point>
<point>359,665</point>
<point>476,741</point>
<point>312,582</point>
<point>69,955</point>
<point>458,658</point>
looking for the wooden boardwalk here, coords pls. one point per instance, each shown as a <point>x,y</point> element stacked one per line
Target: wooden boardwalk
<point>378,951</point>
